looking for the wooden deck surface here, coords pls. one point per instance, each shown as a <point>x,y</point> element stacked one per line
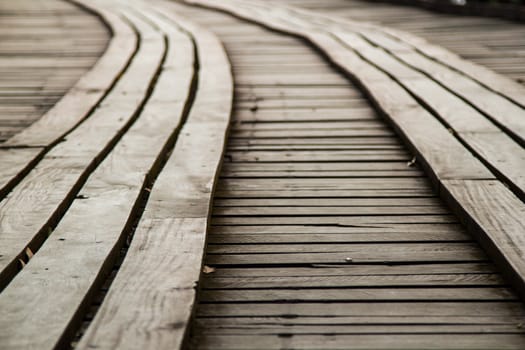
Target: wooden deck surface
<point>322,235</point>
<point>45,47</point>
<point>248,174</point>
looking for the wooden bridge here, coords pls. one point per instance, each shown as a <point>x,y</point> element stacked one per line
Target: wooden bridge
<point>249,174</point>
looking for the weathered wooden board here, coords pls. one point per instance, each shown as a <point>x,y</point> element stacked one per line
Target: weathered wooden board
<point>463,341</point>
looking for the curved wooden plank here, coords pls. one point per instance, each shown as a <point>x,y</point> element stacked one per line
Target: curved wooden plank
<point>28,147</point>
<point>150,303</point>
<point>440,152</point>
<point>76,257</point>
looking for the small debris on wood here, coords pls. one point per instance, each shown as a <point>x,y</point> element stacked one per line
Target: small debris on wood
<point>412,162</point>
<point>208,269</point>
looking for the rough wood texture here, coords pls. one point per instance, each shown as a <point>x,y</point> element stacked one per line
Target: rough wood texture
<point>79,251</point>
<point>152,298</point>
<point>33,208</point>
<point>299,257</point>
<point>451,161</point>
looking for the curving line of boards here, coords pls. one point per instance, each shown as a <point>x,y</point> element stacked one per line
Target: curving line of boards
<point>110,147</point>
<point>139,138</point>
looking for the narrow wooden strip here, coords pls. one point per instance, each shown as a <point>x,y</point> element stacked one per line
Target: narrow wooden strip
<point>338,221</point>
<point>468,271</point>
<point>338,330</point>
<point>349,321</point>
<point>402,237</point>
<point>332,193</point>
<point>372,342</point>
<point>358,294</point>
<point>332,202</point>
<point>327,211</point>
<point>365,309</point>
<point>345,281</point>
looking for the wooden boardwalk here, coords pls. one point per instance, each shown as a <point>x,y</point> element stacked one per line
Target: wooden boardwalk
<point>370,194</point>
<point>45,47</point>
<point>322,236</point>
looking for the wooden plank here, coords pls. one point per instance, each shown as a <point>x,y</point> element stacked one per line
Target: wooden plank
<point>319,156</point>
<point>360,294</point>
<point>339,221</point>
<point>332,202</point>
<point>179,202</point>
<point>227,328</point>
<point>335,281</point>
<point>463,341</point>
<point>327,211</point>
<point>365,309</point>
<point>331,193</point>
<point>320,184</point>
<point>342,253</point>
<point>467,270</point>
<point>352,321</point>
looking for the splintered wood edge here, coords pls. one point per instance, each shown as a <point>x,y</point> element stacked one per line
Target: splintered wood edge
<point>498,230</point>
<point>78,103</point>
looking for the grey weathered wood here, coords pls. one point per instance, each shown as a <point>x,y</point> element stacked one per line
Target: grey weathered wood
<point>439,151</point>
<point>359,294</point>
<point>74,106</point>
<point>463,271</point>
<point>357,320</point>
<point>348,281</point>
<point>362,309</point>
<point>265,329</point>
<point>496,216</point>
<point>78,251</point>
<point>35,205</point>
<point>163,295</point>
<point>463,341</point>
